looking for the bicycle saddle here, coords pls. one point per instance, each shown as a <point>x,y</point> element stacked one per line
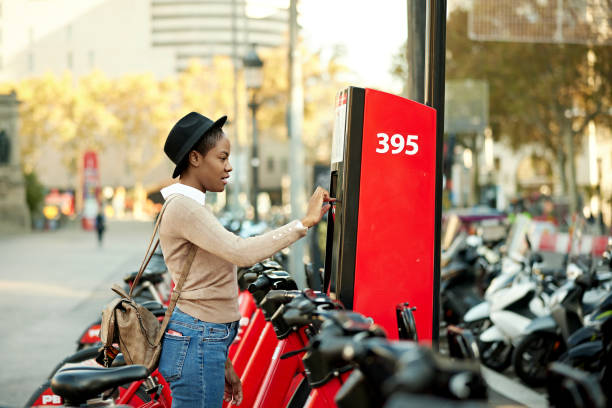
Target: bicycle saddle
<point>153,276</point>
<point>78,384</point>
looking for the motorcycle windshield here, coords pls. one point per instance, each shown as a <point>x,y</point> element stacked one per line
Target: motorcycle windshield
<point>516,242</point>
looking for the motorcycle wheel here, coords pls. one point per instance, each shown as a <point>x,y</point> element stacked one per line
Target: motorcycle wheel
<point>495,355</point>
<point>533,354</point>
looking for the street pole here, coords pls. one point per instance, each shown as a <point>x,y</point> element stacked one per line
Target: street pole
<point>253,75</point>
<point>415,50</point>
<point>254,159</point>
<point>435,59</point>
<point>234,186</point>
<point>295,113</point>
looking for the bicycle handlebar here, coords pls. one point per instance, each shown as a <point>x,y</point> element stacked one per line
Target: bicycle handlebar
<point>274,299</point>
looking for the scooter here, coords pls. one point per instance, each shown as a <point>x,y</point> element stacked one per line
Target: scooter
<point>546,337</point>
<point>458,279</point>
<point>585,346</point>
<point>501,319</point>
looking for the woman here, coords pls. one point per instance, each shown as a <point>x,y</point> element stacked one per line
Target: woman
<point>204,323</point>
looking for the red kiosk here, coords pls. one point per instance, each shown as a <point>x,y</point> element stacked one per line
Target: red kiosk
<point>380,236</point>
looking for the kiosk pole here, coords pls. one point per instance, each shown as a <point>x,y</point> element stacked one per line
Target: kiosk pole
<point>415,50</point>
<point>435,58</point>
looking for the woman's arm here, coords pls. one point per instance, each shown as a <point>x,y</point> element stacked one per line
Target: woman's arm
<point>198,225</point>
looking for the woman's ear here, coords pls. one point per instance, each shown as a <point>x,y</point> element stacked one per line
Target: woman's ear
<point>194,158</point>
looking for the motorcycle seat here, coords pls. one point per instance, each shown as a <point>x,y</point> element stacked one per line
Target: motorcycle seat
<point>79,384</point>
<point>589,307</point>
<point>554,272</point>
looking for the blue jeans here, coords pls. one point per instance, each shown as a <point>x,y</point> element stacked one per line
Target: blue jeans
<point>194,363</point>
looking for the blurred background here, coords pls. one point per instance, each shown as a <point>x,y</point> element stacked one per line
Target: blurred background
<point>89,90</point>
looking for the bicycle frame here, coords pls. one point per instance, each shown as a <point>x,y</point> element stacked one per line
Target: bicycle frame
<point>247,311</point>
<point>280,380</point>
<point>258,364</point>
<point>164,398</point>
<point>244,349</point>
<point>323,396</point>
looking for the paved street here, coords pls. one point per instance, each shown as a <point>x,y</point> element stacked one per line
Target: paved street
<point>52,285</point>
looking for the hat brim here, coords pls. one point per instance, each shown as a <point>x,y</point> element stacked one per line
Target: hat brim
<point>193,140</point>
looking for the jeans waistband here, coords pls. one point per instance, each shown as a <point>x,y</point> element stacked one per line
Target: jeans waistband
<point>179,315</point>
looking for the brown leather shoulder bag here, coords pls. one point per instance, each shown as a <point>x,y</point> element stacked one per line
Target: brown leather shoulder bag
<point>132,327</point>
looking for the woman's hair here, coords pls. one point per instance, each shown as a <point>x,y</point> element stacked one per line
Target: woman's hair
<point>209,140</point>
<point>203,146</point>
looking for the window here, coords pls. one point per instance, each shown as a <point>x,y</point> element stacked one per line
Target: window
<point>5,148</point>
<point>270,164</point>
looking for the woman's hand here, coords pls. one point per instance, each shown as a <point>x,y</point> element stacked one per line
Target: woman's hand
<point>316,210</point>
<point>233,386</point>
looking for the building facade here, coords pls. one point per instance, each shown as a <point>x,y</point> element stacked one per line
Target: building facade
<point>128,37</point>
<point>14,213</point>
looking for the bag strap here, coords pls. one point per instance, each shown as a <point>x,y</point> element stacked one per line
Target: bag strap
<point>148,255</point>
<point>176,292</point>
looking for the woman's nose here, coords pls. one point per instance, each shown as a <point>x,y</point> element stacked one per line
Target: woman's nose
<point>229,167</point>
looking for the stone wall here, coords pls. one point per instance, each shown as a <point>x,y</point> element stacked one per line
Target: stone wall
<point>14,213</point>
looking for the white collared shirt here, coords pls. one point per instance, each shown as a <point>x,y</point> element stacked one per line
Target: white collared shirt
<point>187,191</point>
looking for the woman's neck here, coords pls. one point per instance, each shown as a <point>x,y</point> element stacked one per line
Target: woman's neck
<point>191,182</point>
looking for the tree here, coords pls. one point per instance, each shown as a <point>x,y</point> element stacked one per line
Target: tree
<point>142,107</point>
<point>53,112</point>
<point>133,113</point>
<point>321,81</point>
<point>539,93</point>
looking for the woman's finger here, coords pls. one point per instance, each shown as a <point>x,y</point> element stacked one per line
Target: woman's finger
<point>324,209</point>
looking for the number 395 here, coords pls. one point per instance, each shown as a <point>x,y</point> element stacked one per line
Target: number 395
<point>398,143</point>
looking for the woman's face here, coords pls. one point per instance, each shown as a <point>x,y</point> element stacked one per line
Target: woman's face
<point>213,169</point>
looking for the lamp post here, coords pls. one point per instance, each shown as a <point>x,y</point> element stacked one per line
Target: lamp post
<point>253,76</point>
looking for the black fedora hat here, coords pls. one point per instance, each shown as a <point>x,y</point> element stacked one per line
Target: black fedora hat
<point>184,136</point>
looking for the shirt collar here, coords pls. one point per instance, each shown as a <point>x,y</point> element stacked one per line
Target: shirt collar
<point>182,189</point>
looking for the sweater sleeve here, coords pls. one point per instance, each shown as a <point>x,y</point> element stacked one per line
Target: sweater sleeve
<point>198,225</point>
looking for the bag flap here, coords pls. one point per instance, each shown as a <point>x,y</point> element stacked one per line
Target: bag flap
<point>107,325</point>
<point>136,323</point>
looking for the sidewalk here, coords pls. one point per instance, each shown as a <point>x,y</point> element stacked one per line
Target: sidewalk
<point>52,285</point>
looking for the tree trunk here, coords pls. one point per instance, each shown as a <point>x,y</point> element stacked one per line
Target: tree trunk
<point>562,161</point>
<point>571,160</point>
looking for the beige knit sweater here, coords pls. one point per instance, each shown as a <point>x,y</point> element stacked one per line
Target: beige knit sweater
<point>210,292</point>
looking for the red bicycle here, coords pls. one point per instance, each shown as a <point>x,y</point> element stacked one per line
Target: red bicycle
<point>95,386</point>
